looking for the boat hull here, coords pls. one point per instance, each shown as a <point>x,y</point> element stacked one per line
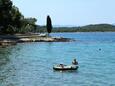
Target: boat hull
<point>66,68</point>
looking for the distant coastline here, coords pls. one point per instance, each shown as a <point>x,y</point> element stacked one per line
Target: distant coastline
<point>40,36</point>
<point>87,28</point>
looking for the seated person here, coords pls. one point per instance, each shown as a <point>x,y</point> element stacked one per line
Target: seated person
<point>74,62</point>
<point>62,65</point>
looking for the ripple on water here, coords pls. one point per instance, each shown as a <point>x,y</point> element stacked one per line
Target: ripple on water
<point>30,64</point>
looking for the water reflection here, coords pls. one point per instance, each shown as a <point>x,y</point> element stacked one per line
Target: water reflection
<point>4,56</point>
<point>66,71</point>
<point>7,69</point>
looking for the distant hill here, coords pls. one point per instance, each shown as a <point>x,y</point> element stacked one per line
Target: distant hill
<point>87,28</point>
<point>98,27</point>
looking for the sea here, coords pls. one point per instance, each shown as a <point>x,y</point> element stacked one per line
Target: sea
<point>31,64</point>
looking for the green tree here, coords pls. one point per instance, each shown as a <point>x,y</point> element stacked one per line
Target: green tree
<point>49,25</point>
<point>28,25</point>
<point>12,21</point>
<point>5,14</point>
<point>16,17</point>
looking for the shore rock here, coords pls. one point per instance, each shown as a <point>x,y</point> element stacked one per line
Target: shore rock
<point>6,40</point>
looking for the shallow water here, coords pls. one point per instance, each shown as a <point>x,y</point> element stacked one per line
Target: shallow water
<point>30,64</point>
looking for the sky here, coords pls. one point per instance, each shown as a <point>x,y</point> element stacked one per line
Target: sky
<point>69,12</point>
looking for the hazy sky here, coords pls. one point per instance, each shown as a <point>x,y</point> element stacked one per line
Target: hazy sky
<point>69,12</point>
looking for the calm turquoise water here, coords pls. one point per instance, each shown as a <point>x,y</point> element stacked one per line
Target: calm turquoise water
<point>30,64</point>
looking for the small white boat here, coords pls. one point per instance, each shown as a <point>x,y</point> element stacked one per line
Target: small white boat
<point>65,67</point>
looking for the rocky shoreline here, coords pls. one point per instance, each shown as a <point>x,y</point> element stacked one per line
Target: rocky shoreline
<point>6,40</point>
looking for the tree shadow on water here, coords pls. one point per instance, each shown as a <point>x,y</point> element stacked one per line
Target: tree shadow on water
<point>7,70</point>
<point>4,56</point>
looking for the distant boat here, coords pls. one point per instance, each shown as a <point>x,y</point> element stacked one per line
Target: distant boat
<point>65,67</point>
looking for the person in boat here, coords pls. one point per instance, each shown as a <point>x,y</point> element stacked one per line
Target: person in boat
<point>61,65</point>
<point>74,62</point>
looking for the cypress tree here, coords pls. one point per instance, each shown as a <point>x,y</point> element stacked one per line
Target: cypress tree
<point>49,25</point>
